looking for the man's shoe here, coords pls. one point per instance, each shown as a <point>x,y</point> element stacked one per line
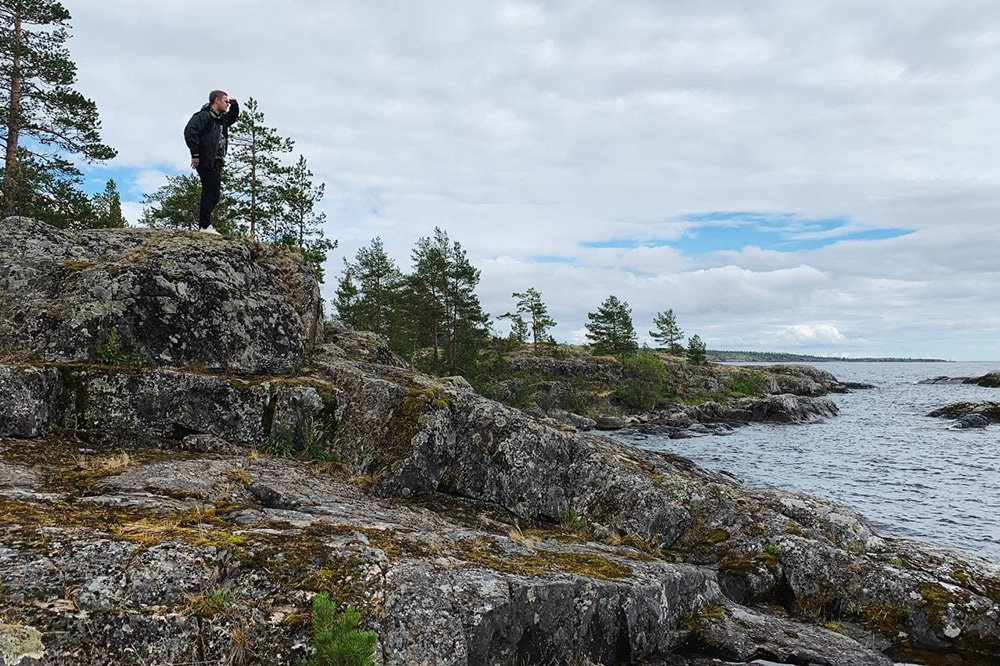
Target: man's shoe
<point>210,230</point>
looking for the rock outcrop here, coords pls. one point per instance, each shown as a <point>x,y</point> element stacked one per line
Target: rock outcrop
<point>165,298</point>
<point>163,512</point>
<point>989,380</point>
<point>970,414</point>
<point>578,389</point>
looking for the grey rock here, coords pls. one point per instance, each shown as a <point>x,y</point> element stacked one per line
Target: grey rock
<point>748,634</point>
<point>977,414</point>
<point>25,396</point>
<point>945,380</point>
<point>609,423</point>
<point>148,405</point>
<point>174,298</point>
<point>972,421</point>
<point>785,408</point>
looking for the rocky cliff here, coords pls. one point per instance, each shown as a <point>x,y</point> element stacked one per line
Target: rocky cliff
<point>186,458</point>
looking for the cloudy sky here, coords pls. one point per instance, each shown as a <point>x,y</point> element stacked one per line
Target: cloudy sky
<point>813,176</point>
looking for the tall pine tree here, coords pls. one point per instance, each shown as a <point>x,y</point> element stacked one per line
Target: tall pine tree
<point>667,332</point>
<point>610,329</point>
<point>44,118</point>
<point>255,174</point>
<point>530,303</point>
<point>299,225</point>
<point>444,311</point>
<point>368,295</point>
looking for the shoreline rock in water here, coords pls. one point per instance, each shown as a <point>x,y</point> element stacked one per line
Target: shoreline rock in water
<point>970,414</point>
<point>143,521</point>
<point>989,380</point>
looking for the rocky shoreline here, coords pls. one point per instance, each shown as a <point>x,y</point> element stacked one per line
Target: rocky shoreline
<point>176,497</point>
<point>579,390</point>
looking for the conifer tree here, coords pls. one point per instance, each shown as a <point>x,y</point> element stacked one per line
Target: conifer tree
<point>369,291</point>
<point>42,117</point>
<point>108,208</point>
<point>347,296</point>
<point>667,332</point>
<point>530,303</point>
<point>45,195</point>
<point>610,329</point>
<point>300,226</point>
<point>176,205</point>
<point>519,330</point>
<point>696,351</point>
<point>255,173</point>
<point>443,308</point>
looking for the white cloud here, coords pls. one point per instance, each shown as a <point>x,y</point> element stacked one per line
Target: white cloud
<point>132,211</point>
<point>528,128</point>
<point>811,334</point>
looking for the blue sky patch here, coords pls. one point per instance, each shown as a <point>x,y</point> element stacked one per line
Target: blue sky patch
<point>716,231</point>
<point>551,259</point>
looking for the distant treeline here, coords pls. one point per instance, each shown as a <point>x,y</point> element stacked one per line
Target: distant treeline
<point>782,357</point>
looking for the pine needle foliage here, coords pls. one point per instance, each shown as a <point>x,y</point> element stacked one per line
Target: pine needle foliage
<point>336,638</point>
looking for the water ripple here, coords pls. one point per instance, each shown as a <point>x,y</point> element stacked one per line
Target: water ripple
<point>912,476</point>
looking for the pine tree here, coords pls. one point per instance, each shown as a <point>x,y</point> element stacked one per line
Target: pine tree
<point>255,174</point>
<point>696,351</point>
<point>530,302</point>
<point>43,117</point>
<point>667,332</point>
<point>46,195</point>
<point>610,329</point>
<point>347,295</point>
<point>301,227</point>
<point>177,204</point>
<point>108,208</point>
<point>443,310</point>
<point>519,330</point>
<point>369,291</point>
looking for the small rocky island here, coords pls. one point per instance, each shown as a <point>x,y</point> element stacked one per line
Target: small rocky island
<point>189,455</point>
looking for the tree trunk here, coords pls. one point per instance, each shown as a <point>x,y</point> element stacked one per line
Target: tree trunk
<point>13,129</point>
<point>253,186</point>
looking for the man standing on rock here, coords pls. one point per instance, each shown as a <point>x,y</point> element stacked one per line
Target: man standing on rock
<point>207,137</point>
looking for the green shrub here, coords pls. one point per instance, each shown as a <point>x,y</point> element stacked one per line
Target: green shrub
<point>643,381</point>
<point>336,639</point>
<point>282,442</point>
<point>524,396</point>
<point>316,443</point>
<point>111,351</point>
<point>580,396</point>
<point>747,383</point>
<point>490,389</point>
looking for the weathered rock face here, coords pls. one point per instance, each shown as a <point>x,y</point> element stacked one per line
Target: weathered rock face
<point>970,414</point>
<point>172,298</point>
<point>785,408</point>
<point>141,523</point>
<point>107,404</point>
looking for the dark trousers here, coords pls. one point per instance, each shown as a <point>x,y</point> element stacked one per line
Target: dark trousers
<point>211,190</point>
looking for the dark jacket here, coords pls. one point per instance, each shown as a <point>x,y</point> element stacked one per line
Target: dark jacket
<point>205,130</point>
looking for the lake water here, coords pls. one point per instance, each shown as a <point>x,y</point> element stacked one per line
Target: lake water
<point>911,476</point>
